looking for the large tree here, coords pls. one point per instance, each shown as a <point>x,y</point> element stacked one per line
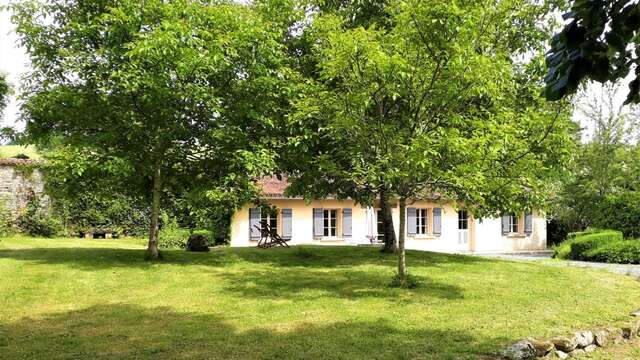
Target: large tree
<point>183,91</point>
<point>434,104</point>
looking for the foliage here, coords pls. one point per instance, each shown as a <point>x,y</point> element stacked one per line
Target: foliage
<point>77,287</point>
<point>575,247</point>
<point>433,103</point>
<point>620,212</point>
<point>171,235</point>
<point>184,93</point>
<point>5,90</point>
<point>604,170</point>
<point>619,252</point>
<point>36,222</point>
<point>598,44</point>
<point>6,219</point>
<point>90,191</point>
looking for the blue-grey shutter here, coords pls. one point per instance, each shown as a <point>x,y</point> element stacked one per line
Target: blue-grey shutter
<point>254,220</point>
<point>287,223</point>
<point>411,221</point>
<point>437,221</point>
<point>528,223</point>
<point>505,225</point>
<point>346,222</point>
<point>318,222</point>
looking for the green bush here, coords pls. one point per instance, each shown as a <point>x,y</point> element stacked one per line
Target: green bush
<point>578,244</point>
<point>620,212</point>
<point>35,222</point>
<point>621,252</point>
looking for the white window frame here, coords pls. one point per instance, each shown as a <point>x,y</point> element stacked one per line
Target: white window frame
<point>513,223</point>
<point>422,221</point>
<point>271,219</point>
<point>330,229</point>
<point>463,220</point>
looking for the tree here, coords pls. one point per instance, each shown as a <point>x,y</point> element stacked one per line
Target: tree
<point>432,106</point>
<point>605,164</point>
<point>183,91</point>
<point>599,43</point>
<point>4,92</point>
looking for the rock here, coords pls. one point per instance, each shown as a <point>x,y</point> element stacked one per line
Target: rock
<point>561,354</point>
<point>584,338</point>
<point>636,328</point>
<point>636,313</point>
<point>601,338</point>
<point>522,350</point>
<point>564,343</point>
<point>615,335</point>
<point>197,242</point>
<point>542,347</point>
<point>629,332</point>
<point>576,353</point>
<point>590,348</point>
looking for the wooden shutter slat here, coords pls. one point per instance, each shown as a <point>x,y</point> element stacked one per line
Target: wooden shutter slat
<point>254,220</point>
<point>411,221</point>
<point>346,222</point>
<point>437,221</point>
<point>318,222</point>
<point>287,223</point>
<point>528,223</point>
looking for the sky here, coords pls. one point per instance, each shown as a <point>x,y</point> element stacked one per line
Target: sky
<point>13,62</point>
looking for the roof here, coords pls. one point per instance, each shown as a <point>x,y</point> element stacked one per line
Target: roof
<point>272,187</point>
<point>14,162</point>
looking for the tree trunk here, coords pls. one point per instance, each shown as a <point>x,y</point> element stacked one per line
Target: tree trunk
<point>402,268</point>
<point>389,231</point>
<point>152,248</point>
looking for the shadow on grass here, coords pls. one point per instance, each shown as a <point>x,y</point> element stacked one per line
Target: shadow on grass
<point>297,256</point>
<point>127,331</point>
<point>309,284</point>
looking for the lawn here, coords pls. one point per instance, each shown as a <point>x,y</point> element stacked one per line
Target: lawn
<point>7,151</point>
<point>98,299</point>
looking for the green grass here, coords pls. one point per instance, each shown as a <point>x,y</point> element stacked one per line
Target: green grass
<point>7,151</point>
<point>81,299</point>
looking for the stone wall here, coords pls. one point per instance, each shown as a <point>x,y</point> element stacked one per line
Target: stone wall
<point>20,179</point>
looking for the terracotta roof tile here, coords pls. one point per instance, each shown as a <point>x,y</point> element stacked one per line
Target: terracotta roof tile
<point>272,186</point>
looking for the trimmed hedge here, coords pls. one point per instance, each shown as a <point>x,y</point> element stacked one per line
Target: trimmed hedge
<point>621,252</point>
<point>577,244</point>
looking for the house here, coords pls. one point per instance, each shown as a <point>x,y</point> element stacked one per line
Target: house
<point>431,225</point>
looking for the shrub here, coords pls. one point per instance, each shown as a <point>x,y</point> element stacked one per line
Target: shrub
<point>35,222</point>
<point>577,244</point>
<point>621,252</point>
<point>620,212</point>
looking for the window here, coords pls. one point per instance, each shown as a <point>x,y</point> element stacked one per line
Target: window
<point>513,223</point>
<point>330,221</point>
<point>380,225</point>
<point>421,221</point>
<point>269,218</point>
<point>463,220</point>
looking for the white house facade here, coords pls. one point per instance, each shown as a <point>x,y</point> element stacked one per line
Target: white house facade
<point>431,225</point>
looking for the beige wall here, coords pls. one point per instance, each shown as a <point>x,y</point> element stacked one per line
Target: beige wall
<point>484,235</point>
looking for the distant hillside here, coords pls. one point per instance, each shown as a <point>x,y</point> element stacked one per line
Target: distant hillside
<point>8,151</point>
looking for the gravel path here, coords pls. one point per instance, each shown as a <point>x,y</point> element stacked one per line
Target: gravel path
<point>545,258</point>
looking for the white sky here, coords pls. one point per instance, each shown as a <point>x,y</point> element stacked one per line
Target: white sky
<point>13,62</point>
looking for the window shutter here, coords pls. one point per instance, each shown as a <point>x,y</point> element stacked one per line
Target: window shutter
<point>437,221</point>
<point>346,222</point>
<point>411,221</point>
<point>254,220</point>
<point>528,223</point>
<point>318,222</point>
<point>505,225</point>
<point>286,223</point>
